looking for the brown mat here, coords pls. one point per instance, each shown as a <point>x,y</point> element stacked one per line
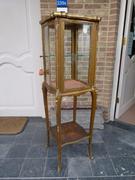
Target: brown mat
<point>12,125</point>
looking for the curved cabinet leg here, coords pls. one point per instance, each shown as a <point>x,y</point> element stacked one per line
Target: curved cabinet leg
<point>74,107</point>
<point>59,141</point>
<point>92,117</point>
<point>44,90</point>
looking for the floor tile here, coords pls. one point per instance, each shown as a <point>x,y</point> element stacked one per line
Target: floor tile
<point>126,126</point>
<point>102,167</point>
<point>79,167</point>
<point>36,178</point>
<point>18,151</point>
<point>32,168</point>
<point>99,150</point>
<point>129,139</point>
<point>37,151</point>
<point>54,178</point>
<point>36,119</point>
<point>96,178</point>
<point>118,133</point>
<point>120,149</point>
<point>39,136</point>
<point>4,148</point>
<point>40,128</point>
<point>24,138</point>
<point>7,139</point>
<point>34,126</point>
<point>108,178</point>
<point>41,125</point>
<point>51,168</point>
<point>10,167</point>
<point>109,136</point>
<point>76,150</point>
<point>97,138</point>
<point>26,154</point>
<point>124,166</point>
<point>52,151</point>
<point>124,178</point>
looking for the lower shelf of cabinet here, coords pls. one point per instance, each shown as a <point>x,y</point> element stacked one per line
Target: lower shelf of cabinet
<point>70,132</point>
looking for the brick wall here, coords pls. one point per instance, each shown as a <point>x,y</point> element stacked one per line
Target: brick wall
<point>109,11</point>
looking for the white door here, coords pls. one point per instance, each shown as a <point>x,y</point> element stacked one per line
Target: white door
<point>20,48</point>
<point>126,91</point>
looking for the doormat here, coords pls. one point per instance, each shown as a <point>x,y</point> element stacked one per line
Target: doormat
<point>12,125</point>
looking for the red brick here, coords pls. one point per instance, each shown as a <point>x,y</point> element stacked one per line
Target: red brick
<point>114,5</point>
<point>88,1</point>
<point>92,6</point>
<point>71,1</point>
<point>114,11</point>
<point>75,6</point>
<point>101,1</point>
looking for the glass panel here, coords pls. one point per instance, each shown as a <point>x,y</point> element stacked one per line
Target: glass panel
<point>76,51</point>
<point>67,53</point>
<point>49,42</point>
<point>83,54</point>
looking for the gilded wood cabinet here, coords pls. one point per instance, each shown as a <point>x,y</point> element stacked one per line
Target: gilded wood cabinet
<point>69,57</point>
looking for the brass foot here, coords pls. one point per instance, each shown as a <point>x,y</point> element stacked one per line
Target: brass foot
<point>91,157</point>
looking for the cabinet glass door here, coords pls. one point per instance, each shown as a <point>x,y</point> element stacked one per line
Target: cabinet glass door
<point>77,51</point>
<point>83,52</point>
<point>49,51</point>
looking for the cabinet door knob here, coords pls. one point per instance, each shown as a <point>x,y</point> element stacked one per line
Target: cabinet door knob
<point>43,72</point>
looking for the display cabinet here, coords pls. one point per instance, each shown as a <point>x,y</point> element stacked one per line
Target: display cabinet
<point>69,58</point>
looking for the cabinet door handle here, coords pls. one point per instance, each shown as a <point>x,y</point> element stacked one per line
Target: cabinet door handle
<point>43,72</point>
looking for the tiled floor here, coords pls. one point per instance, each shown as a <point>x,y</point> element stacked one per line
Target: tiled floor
<point>25,156</point>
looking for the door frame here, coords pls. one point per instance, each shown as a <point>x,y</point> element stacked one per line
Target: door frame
<point>118,62</point>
